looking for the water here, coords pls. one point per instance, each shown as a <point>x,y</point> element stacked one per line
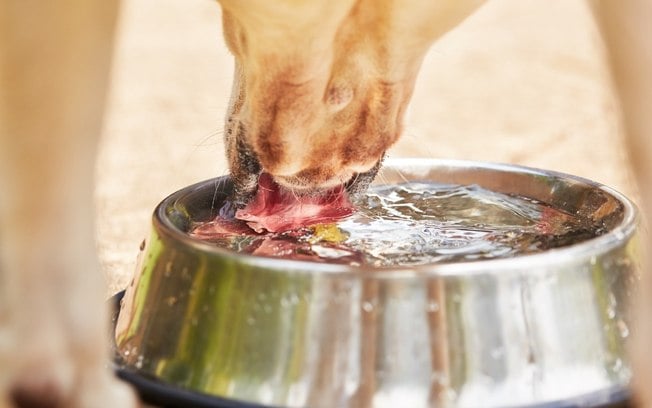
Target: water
<point>422,223</point>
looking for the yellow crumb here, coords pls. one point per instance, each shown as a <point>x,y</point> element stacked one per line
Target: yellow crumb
<point>328,233</point>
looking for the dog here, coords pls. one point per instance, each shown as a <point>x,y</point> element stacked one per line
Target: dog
<point>324,110</point>
<point>628,40</point>
<point>319,95</point>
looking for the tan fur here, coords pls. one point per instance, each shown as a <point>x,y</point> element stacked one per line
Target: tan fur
<point>319,94</point>
<point>628,36</point>
<point>324,84</point>
<point>54,62</point>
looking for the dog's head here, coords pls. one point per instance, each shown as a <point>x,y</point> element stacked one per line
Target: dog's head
<point>321,86</point>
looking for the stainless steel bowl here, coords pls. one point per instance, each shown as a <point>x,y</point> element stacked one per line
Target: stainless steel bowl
<point>535,329</point>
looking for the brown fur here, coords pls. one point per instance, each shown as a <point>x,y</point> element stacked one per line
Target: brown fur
<point>325,84</point>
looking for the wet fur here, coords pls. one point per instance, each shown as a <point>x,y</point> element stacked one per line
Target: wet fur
<point>319,94</point>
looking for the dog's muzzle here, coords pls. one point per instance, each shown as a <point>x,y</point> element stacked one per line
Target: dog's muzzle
<point>245,176</point>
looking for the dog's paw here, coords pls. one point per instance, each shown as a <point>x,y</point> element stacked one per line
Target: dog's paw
<point>41,391</point>
<point>107,393</point>
<point>38,376</point>
<point>48,379</point>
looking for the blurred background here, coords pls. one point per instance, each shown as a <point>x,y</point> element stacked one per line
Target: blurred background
<point>520,81</point>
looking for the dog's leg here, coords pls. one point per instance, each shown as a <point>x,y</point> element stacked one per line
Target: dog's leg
<point>627,32</point>
<point>54,63</point>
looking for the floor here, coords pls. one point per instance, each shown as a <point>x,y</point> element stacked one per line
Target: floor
<point>521,81</point>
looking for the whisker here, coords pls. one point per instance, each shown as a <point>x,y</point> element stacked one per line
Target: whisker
<point>355,178</point>
<point>402,176</point>
<point>295,195</point>
<point>330,196</point>
<point>209,136</point>
<point>203,143</point>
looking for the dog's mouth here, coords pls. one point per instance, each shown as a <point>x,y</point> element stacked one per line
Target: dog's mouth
<point>266,205</point>
<point>249,172</point>
<point>273,208</point>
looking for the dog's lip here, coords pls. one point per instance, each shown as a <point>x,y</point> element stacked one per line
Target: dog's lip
<point>354,183</point>
<point>296,186</point>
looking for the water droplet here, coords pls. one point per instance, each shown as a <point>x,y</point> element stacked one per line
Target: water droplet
<point>171,300</point>
<point>367,307</point>
<point>618,364</point>
<point>433,307</point>
<point>194,321</point>
<point>611,306</point>
<point>439,378</point>
<point>262,296</point>
<point>251,321</point>
<point>623,329</point>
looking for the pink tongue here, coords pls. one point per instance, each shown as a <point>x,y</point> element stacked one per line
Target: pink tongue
<point>275,209</point>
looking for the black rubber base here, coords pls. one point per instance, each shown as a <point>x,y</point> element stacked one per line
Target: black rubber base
<point>163,395</point>
<point>158,393</point>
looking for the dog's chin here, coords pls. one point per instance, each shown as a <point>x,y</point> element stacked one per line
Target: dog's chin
<point>355,185</point>
<point>303,186</point>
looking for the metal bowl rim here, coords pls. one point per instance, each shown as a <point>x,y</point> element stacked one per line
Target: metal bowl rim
<point>589,249</point>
